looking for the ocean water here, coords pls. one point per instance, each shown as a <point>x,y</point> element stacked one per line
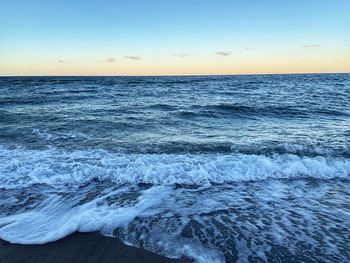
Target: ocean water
<point>214,168</point>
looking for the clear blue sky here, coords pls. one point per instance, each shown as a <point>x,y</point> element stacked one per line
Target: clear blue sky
<point>173,37</point>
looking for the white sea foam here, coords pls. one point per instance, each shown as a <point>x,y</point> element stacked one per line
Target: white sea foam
<point>22,167</point>
<point>56,218</point>
<point>215,223</point>
<point>221,223</point>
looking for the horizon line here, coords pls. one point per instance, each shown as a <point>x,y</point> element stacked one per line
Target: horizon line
<point>182,75</point>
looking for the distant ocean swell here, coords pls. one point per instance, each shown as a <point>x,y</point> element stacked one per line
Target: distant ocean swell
<point>242,111</point>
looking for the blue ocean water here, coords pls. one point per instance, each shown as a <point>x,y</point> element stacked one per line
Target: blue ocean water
<point>216,168</point>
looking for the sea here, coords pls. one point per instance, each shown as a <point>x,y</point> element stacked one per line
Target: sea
<point>246,168</point>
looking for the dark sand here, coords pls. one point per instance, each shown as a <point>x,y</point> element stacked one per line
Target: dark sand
<point>79,247</point>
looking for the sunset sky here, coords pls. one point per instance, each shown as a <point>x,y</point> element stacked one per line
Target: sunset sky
<point>173,37</point>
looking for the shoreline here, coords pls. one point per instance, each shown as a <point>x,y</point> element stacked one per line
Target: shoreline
<point>80,247</point>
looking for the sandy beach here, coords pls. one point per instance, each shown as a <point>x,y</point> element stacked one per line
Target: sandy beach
<point>79,247</point>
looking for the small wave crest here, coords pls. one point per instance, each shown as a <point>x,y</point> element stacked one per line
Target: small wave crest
<point>237,110</point>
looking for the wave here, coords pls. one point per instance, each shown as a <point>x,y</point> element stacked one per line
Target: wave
<point>22,168</point>
<point>251,111</point>
<point>162,107</point>
<point>222,223</point>
<point>210,146</point>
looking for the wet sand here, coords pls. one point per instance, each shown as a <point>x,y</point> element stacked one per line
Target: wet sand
<point>80,247</point>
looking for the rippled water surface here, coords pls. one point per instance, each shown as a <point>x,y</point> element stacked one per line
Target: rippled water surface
<point>216,168</point>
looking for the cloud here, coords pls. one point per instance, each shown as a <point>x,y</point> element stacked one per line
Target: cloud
<point>248,48</point>
<point>182,55</point>
<point>222,53</point>
<point>110,60</point>
<point>312,46</point>
<point>133,57</point>
<point>62,61</point>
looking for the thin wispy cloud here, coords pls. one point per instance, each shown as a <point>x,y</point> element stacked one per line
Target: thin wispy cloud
<point>133,57</point>
<point>110,60</point>
<point>182,55</point>
<point>249,48</point>
<point>62,61</point>
<point>312,46</point>
<point>222,53</point>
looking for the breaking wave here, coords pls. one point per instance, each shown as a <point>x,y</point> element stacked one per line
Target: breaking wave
<point>21,167</point>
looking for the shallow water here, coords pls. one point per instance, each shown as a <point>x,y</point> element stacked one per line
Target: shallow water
<point>220,168</point>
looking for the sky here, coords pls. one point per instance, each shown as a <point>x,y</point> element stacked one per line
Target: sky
<point>182,37</point>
